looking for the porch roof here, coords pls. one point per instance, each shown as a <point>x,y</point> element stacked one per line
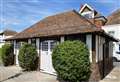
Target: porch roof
<point>70,22</point>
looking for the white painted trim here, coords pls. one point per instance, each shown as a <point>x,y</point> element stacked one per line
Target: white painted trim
<point>14,47</point>
<point>62,39</point>
<point>89,44</point>
<point>38,45</point>
<point>85,6</point>
<point>97,48</point>
<point>29,41</point>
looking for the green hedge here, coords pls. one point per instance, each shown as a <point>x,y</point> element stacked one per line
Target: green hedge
<point>71,61</point>
<point>0,55</point>
<point>7,55</point>
<point>28,58</point>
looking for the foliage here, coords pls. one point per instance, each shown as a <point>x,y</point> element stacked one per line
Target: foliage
<point>0,55</point>
<point>7,55</point>
<point>28,57</point>
<point>71,61</point>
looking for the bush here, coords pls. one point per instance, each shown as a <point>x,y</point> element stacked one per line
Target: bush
<point>7,55</point>
<point>71,61</point>
<point>28,57</point>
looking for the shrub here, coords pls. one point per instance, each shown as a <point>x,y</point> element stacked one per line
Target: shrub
<point>71,61</point>
<point>7,55</point>
<point>28,57</point>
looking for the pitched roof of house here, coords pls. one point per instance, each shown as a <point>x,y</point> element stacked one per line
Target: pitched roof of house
<point>66,23</point>
<point>8,32</point>
<point>114,18</point>
<point>61,24</point>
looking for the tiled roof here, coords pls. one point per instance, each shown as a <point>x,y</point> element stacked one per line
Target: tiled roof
<point>8,32</point>
<point>70,22</point>
<point>114,18</point>
<point>66,23</point>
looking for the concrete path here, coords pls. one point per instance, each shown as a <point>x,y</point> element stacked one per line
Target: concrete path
<point>9,72</point>
<point>14,74</point>
<point>33,77</point>
<point>114,76</point>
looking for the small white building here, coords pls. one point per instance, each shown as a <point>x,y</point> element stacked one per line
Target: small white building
<point>112,27</point>
<point>4,35</point>
<point>84,26</point>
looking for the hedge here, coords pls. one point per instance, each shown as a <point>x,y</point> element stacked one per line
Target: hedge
<point>7,55</point>
<point>28,58</point>
<point>71,61</point>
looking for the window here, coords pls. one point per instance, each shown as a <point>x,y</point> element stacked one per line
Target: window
<point>33,42</point>
<point>52,45</point>
<point>88,16</point>
<point>18,45</point>
<point>111,33</point>
<point>44,46</point>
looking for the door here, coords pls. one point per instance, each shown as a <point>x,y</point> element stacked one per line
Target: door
<point>46,56</point>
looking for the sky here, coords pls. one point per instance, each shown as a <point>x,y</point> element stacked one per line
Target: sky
<point>18,15</point>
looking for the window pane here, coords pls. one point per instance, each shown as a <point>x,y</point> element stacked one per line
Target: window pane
<point>44,46</point>
<point>18,45</point>
<point>111,33</point>
<point>52,45</point>
<point>33,42</point>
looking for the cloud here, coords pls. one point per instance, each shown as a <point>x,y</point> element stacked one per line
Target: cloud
<point>11,21</point>
<point>108,1</point>
<point>23,13</point>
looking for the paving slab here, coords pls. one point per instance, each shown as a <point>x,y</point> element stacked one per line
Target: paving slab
<point>15,74</point>
<point>8,72</point>
<point>113,76</point>
<point>35,76</point>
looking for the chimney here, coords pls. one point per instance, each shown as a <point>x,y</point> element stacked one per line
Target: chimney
<point>81,6</point>
<point>100,21</point>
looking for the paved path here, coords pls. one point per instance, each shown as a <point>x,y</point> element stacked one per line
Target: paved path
<point>114,76</point>
<point>33,77</point>
<point>7,72</point>
<point>116,64</point>
<point>14,74</point>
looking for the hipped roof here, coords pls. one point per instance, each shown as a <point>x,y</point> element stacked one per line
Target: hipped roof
<point>70,22</point>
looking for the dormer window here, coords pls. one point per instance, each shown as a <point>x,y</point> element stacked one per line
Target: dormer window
<point>87,14</point>
<point>87,11</point>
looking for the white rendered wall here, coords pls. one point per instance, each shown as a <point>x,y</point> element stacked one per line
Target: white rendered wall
<point>116,29</point>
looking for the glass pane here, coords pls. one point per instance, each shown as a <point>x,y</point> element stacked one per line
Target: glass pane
<point>52,45</point>
<point>18,45</point>
<point>33,42</point>
<point>44,46</point>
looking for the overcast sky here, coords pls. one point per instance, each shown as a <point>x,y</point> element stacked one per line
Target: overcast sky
<point>20,14</point>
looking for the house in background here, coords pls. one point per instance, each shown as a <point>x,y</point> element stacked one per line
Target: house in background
<point>4,35</point>
<point>112,27</point>
<point>84,25</point>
